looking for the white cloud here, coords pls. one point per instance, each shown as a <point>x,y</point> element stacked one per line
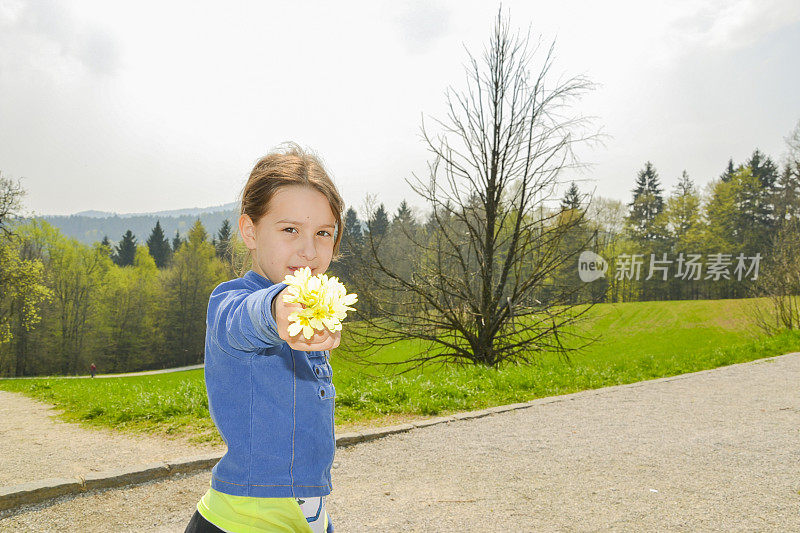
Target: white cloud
<point>43,35</point>
<point>98,51</point>
<point>421,23</point>
<point>726,25</point>
<point>103,103</point>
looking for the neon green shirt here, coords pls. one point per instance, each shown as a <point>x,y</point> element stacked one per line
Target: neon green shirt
<point>247,514</point>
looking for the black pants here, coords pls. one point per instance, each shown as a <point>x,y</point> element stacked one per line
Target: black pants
<point>198,524</point>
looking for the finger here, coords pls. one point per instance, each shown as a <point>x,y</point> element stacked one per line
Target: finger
<point>309,346</point>
<point>321,346</point>
<point>301,346</point>
<point>335,340</point>
<point>319,337</point>
<point>321,340</point>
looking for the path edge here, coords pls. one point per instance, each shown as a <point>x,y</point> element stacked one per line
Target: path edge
<point>16,496</point>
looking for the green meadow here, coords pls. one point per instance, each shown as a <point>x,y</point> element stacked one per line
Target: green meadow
<point>637,341</point>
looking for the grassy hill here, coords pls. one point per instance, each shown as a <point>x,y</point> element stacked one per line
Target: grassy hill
<point>638,341</point>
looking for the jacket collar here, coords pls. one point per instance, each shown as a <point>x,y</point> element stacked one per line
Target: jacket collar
<point>257,278</point>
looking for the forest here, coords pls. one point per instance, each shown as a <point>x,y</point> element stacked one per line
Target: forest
<point>130,305</point>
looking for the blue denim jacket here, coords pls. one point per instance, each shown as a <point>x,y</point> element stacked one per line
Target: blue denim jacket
<point>272,405</point>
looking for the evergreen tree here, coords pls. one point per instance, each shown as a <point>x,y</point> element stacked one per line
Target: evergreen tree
<point>755,198</point>
<point>576,236</point>
<point>379,223</point>
<point>735,214</point>
<point>106,244</point>
<point>221,245</point>
<point>647,204</point>
<point>404,215</point>
<point>648,227</point>
<point>685,231</point>
<point>764,169</point>
<point>572,198</point>
<point>764,196</point>
<point>732,210</point>
<point>728,174</point>
<point>125,251</point>
<point>350,249</point>
<point>197,231</point>
<point>352,228</point>
<point>683,206</point>
<point>176,241</point>
<point>158,245</point>
<point>787,196</point>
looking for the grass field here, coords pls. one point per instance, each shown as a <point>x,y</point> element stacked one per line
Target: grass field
<point>638,341</point>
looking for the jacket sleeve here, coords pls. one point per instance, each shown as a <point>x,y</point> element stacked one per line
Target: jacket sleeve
<point>244,319</point>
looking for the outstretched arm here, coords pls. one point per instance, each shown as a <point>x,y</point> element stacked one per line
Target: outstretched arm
<point>244,318</point>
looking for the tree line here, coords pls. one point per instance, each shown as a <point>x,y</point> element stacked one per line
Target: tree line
<point>66,305</point>
<point>130,306</point>
<point>718,242</point>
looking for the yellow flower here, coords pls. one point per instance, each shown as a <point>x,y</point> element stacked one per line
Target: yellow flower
<point>325,302</point>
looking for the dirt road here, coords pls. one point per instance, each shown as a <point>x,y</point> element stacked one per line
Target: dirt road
<point>710,451</point>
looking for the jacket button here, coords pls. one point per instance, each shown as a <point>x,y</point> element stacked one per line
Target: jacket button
<point>317,371</point>
<point>321,393</point>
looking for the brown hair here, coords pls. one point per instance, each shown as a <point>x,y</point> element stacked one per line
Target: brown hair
<point>287,165</point>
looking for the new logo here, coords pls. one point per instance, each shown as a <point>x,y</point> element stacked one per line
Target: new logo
<point>591,266</point>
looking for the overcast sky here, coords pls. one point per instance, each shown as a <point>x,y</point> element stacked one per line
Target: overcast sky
<point>149,106</point>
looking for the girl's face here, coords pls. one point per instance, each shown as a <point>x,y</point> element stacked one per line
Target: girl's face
<point>297,231</point>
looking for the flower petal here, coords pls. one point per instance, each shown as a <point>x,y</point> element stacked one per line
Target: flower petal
<point>294,328</point>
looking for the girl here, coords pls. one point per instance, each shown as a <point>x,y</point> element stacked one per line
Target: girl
<point>269,394</point>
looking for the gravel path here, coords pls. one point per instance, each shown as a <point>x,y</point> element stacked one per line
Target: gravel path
<point>123,375</point>
<point>34,445</point>
<point>710,451</point>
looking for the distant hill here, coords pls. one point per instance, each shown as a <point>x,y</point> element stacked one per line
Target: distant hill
<point>192,211</point>
<point>90,226</point>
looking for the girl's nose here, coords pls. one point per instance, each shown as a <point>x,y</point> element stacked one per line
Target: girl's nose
<point>308,250</point>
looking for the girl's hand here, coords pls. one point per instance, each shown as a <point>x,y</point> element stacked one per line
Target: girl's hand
<point>320,341</point>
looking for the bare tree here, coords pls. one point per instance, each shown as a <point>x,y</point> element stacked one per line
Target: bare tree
<point>478,292</point>
<point>10,203</point>
<point>779,282</point>
<point>792,156</point>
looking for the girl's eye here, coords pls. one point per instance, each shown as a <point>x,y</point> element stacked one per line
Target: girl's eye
<point>292,229</point>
